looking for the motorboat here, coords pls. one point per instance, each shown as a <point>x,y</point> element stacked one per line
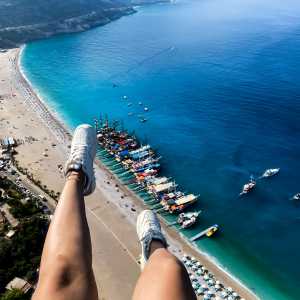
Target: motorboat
<point>187,220</point>
<point>270,173</point>
<point>212,230</point>
<point>248,187</point>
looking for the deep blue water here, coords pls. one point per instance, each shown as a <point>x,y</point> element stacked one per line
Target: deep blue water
<point>221,80</point>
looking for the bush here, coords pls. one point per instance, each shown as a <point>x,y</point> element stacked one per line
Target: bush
<point>12,193</point>
<point>14,294</point>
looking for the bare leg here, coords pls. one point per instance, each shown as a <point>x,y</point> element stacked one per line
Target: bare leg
<point>66,266</point>
<point>164,277</point>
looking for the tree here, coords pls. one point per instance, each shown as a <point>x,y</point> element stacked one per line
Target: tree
<point>22,253</point>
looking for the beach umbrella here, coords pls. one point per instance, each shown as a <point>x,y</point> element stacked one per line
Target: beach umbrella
<point>211,282</point>
<point>199,292</point>
<point>205,277</point>
<point>229,289</point>
<point>224,294</point>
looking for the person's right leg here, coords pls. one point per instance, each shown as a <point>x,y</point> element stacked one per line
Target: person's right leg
<point>163,277</point>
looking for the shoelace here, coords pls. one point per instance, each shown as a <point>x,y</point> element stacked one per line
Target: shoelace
<point>79,153</point>
<point>153,229</point>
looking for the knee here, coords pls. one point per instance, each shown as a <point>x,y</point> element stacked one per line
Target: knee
<point>168,262</point>
<point>64,273</point>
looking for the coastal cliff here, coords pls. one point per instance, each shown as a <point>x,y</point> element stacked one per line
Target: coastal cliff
<point>22,21</point>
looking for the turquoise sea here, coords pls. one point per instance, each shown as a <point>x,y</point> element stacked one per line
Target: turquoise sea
<point>221,79</point>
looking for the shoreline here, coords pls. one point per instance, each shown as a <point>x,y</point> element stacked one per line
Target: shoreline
<point>60,131</point>
<point>42,109</point>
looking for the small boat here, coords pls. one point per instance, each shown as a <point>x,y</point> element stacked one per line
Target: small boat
<point>187,220</point>
<point>296,197</point>
<point>125,97</point>
<point>181,203</point>
<point>141,168</point>
<point>207,232</point>
<point>270,173</point>
<point>148,161</point>
<point>169,199</point>
<point>146,108</point>
<point>160,188</point>
<point>143,120</point>
<point>141,155</point>
<point>141,149</point>
<point>140,103</point>
<point>248,187</point>
<point>212,230</point>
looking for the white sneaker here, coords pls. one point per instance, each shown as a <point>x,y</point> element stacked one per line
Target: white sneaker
<point>148,229</point>
<point>83,152</point>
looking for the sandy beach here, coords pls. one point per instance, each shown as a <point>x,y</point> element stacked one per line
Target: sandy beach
<point>111,211</point>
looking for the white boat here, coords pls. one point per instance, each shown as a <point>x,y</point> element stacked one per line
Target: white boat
<point>248,187</point>
<point>296,197</point>
<point>191,198</point>
<point>157,180</point>
<point>187,220</point>
<point>156,189</point>
<point>143,120</point>
<point>145,162</point>
<point>270,173</point>
<point>181,203</point>
<point>141,149</point>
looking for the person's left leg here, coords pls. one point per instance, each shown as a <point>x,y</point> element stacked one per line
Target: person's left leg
<point>163,276</point>
<point>66,265</point>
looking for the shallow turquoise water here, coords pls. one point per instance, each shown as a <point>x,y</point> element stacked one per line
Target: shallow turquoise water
<point>221,80</point>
